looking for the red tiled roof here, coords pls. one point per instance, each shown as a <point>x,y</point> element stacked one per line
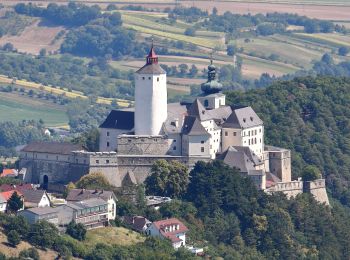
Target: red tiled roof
<point>7,194</point>
<point>6,172</point>
<point>162,224</point>
<point>19,187</point>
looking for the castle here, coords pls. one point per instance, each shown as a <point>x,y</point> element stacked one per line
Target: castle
<point>131,140</point>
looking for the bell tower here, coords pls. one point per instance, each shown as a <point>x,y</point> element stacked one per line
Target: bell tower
<point>150,97</point>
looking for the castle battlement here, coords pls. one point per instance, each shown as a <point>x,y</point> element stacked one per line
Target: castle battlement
<point>316,184</point>
<point>92,154</point>
<point>291,186</point>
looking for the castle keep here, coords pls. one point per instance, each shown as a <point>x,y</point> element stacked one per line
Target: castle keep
<point>205,128</point>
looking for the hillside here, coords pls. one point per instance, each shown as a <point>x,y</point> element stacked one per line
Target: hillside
<point>10,251</point>
<point>312,118</point>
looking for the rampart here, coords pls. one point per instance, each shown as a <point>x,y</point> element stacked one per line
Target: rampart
<point>317,188</point>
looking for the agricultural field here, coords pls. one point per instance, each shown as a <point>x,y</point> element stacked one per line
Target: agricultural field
<point>15,107</point>
<point>62,91</point>
<point>153,24</point>
<point>274,54</point>
<point>36,36</point>
<point>320,9</point>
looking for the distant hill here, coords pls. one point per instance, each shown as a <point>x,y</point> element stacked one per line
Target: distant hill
<point>310,116</point>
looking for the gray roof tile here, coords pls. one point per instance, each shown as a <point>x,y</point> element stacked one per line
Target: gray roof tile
<point>192,126</point>
<point>243,118</point>
<point>33,196</point>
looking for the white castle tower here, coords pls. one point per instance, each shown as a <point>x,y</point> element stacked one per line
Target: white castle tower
<point>150,97</point>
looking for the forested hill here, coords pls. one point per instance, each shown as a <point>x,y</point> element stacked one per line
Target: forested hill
<point>310,116</point>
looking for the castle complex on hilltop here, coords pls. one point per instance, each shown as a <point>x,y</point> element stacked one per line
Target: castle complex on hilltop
<point>131,140</point>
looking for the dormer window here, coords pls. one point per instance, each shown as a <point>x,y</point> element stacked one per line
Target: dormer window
<point>251,118</point>
<point>244,120</point>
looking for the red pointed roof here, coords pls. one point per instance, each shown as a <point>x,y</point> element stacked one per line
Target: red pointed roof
<point>152,57</point>
<point>151,66</point>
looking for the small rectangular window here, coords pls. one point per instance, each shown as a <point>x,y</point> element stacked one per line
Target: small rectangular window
<point>202,142</point>
<point>107,144</point>
<point>174,148</point>
<point>97,161</point>
<point>143,78</point>
<point>107,161</point>
<point>107,133</point>
<point>158,79</point>
<point>234,133</point>
<point>149,78</point>
<point>202,149</point>
<point>226,134</point>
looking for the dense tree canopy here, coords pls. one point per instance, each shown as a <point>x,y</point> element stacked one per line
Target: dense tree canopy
<point>167,179</point>
<point>93,180</point>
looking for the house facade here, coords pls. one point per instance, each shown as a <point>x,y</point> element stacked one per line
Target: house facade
<point>76,195</point>
<point>36,198</point>
<point>172,229</point>
<point>92,213</point>
<point>3,204</point>
<point>33,215</point>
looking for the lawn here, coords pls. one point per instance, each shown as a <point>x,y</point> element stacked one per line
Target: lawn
<point>14,107</point>
<point>112,236</point>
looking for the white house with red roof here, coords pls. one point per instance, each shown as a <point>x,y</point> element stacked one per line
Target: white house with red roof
<point>172,229</point>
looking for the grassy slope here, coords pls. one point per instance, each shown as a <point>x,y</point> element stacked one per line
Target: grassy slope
<point>13,252</point>
<point>113,236</point>
<point>14,107</point>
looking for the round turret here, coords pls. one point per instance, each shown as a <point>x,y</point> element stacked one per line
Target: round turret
<point>212,85</point>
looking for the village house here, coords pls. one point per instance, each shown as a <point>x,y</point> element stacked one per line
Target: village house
<point>92,213</point>
<point>35,198</point>
<point>83,194</point>
<point>8,194</point>
<point>137,223</point>
<point>3,203</point>
<point>33,215</point>
<point>172,229</point>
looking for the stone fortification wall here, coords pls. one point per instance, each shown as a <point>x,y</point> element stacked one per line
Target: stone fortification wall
<point>142,145</point>
<point>318,189</point>
<point>291,188</point>
<point>141,166</point>
<point>103,162</point>
<point>37,169</point>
